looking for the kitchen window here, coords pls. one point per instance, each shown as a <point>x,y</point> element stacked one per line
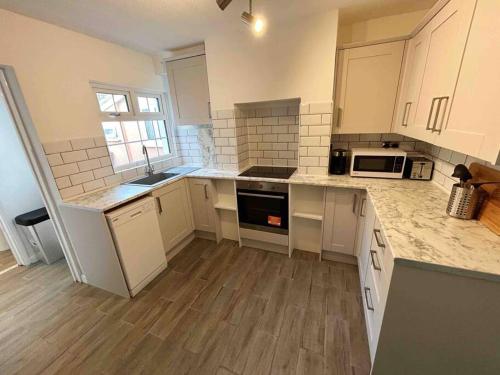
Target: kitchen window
<point>132,119</point>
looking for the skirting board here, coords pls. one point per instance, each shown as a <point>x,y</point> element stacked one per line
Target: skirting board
<point>338,257</point>
<point>148,279</point>
<point>205,235</point>
<point>265,246</point>
<point>181,245</point>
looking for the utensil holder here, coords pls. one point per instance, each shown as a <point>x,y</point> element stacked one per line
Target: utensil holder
<point>465,202</point>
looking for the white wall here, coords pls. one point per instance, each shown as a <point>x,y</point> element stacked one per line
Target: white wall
<point>380,28</point>
<point>294,59</point>
<point>19,191</point>
<point>54,66</point>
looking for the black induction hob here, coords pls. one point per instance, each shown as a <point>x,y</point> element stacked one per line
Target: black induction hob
<point>269,172</point>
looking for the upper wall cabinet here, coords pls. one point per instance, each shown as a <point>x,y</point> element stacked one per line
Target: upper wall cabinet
<point>188,83</point>
<point>366,87</point>
<point>451,79</point>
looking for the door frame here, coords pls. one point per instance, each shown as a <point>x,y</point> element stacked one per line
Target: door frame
<point>37,160</point>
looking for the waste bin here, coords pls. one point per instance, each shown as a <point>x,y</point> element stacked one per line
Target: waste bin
<point>39,232</point>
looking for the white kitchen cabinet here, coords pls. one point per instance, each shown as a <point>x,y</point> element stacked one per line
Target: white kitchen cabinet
<point>188,84</point>
<point>366,87</point>
<point>341,220</point>
<point>446,36</point>
<point>176,220</point>
<point>473,126</point>
<point>411,82</point>
<point>366,223</point>
<point>203,208</point>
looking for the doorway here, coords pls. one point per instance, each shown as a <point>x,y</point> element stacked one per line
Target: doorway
<point>26,185</point>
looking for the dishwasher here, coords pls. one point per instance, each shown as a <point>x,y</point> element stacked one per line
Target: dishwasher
<point>138,241</point>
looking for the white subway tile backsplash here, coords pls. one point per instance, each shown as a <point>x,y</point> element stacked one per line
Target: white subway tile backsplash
<point>55,159</point>
<point>63,182</point>
<point>103,172</point>
<point>88,165</point>
<point>81,177</point>
<point>64,170</point>
<point>74,156</point>
<point>310,141</point>
<point>82,143</point>
<point>98,152</point>
<point>56,147</point>
<point>71,191</point>
<point>105,161</point>
<point>93,185</point>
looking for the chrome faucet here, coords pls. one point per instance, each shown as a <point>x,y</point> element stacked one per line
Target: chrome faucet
<point>149,168</point>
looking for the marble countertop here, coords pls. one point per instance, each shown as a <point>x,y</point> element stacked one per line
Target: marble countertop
<point>412,215</point>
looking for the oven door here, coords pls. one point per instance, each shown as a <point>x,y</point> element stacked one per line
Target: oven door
<point>263,210</point>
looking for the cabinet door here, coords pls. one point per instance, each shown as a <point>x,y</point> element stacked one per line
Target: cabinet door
<point>176,221</point>
<point>203,209</point>
<point>188,83</point>
<point>447,34</point>
<point>368,211</point>
<point>474,121</point>
<point>410,86</point>
<point>341,220</point>
<point>366,87</point>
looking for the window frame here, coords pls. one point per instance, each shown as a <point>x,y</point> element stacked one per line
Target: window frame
<point>132,96</point>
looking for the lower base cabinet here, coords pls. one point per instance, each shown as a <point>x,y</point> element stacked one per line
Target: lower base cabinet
<point>342,208</point>
<point>174,207</point>
<point>421,320</point>
<point>201,192</point>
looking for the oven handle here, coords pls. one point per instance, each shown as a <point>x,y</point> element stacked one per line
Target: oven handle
<point>262,195</point>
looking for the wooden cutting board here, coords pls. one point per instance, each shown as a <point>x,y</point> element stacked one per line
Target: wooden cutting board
<point>490,211</point>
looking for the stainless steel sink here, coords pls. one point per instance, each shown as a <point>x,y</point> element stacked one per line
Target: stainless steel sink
<point>153,179</point>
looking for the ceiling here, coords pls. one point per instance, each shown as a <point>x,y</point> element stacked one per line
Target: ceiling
<point>158,25</point>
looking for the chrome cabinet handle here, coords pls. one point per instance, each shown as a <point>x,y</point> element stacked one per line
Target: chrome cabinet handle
<point>354,203</point>
<point>339,114</point>
<point>362,210</point>
<point>209,111</point>
<point>160,208</point>
<point>428,127</point>
<point>406,114</point>
<point>205,190</point>
<point>373,255</point>
<point>437,114</point>
<point>380,243</point>
<point>369,305</point>
<point>262,195</point>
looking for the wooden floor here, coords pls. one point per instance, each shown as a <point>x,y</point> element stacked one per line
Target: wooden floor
<point>217,309</point>
<point>6,260</point>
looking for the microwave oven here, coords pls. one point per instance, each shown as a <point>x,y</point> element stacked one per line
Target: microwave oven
<point>377,162</point>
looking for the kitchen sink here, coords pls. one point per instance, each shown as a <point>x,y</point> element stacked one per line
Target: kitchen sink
<point>153,179</point>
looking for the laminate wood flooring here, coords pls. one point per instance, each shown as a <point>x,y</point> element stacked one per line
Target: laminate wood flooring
<point>217,309</point>
<point>6,260</point>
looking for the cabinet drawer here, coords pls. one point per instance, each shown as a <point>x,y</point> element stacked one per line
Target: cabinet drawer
<point>380,260</point>
<point>374,310</point>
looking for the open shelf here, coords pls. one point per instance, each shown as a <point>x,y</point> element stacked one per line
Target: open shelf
<point>225,205</point>
<point>308,202</point>
<point>225,195</point>
<point>307,215</point>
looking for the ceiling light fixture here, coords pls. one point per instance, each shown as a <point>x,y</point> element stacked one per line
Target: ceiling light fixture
<point>257,23</point>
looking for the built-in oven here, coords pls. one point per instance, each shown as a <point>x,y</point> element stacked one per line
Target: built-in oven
<point>377,162</point>
<point>263,206</point>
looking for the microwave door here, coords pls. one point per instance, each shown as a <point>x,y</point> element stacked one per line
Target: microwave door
<point>373,163</point>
